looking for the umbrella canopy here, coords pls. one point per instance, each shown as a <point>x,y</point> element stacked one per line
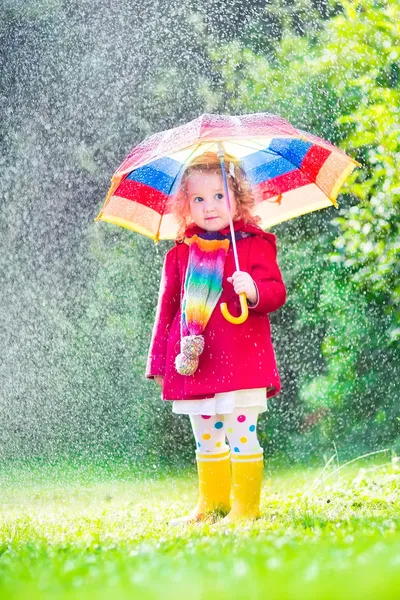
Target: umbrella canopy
<point>291,171</point>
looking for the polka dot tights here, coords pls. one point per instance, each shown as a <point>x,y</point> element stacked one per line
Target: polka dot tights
<point>238,427</point>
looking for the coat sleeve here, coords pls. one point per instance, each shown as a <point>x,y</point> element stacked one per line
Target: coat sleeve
<point>271,290</point>
<point>167,307</point>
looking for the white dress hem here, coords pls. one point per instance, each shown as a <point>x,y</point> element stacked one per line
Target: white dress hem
<point>223,403</point>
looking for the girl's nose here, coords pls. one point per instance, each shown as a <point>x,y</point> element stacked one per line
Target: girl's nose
<point>208,207</point>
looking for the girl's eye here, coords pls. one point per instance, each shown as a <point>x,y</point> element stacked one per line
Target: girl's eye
<point>197,198</point>
<point>219,196</point>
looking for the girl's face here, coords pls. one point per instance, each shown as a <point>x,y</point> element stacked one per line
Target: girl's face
<point>206,197</point>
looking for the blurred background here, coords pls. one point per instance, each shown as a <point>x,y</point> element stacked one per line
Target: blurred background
<point>81,84</point>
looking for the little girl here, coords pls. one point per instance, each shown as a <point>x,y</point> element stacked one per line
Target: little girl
<point>217,372</point>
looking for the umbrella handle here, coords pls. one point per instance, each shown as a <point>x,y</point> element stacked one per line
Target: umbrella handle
<point>244,307</point>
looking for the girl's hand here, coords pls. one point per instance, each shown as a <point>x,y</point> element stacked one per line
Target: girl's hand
<point>243,282</point>
<point>159,379</point>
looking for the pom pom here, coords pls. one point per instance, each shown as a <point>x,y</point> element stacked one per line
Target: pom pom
<point>187,361</point>
<point>185,364</point>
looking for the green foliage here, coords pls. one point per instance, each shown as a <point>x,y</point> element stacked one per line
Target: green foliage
<point>79,298</point>
<point>368,241</point>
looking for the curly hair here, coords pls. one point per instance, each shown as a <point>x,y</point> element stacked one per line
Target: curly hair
<point>206,162</point>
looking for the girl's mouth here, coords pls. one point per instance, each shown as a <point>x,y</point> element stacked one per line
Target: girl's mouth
<point>210,218</point>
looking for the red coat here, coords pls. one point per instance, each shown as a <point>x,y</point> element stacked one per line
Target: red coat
<point>235,357</point>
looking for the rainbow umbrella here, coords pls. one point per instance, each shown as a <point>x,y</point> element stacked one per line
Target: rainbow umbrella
<point>292,171</point>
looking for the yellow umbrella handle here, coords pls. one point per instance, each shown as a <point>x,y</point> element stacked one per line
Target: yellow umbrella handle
<point>243,316</point>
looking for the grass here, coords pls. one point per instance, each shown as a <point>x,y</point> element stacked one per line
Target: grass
<point>92,534</point>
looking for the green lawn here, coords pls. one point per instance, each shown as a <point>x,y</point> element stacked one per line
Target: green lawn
<point>91,534</point>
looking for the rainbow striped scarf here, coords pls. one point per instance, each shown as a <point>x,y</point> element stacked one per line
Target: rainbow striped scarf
<point>202,290</point>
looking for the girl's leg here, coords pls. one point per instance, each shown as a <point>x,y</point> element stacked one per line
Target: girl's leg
<point>209,433</point>
<point>247,464</point>
<point>213,467</point>
<point>241,431</point>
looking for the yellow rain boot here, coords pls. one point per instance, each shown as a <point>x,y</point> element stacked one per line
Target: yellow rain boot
<point>247,471</point>
<point>214,471</point>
